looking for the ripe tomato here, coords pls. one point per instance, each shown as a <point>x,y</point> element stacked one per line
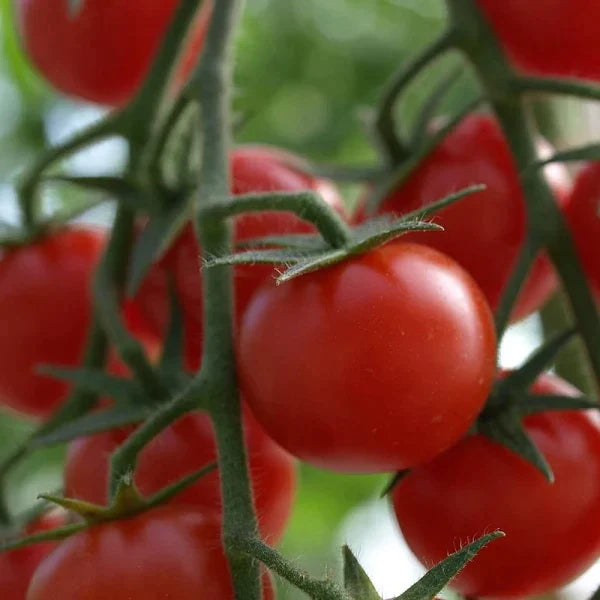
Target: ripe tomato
<point>45,312</point>
<point>484,233</point>
<point>17,566</point>
<point>374,364</point>
<point>528,32</point>
<point>169,552</point>
<point>582,215</point>
<point>552,531</point>
<point>103,52</point>
<point>254,169</point>
<point>179,450</point>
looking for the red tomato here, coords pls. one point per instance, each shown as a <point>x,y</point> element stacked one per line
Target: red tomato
<point>582,214</point>
<point>485,232</point>
<point>374,364</point>
<point>254,169</point>
<point>530,32</point>
<point>17,566</point>
<point>179,450</point>
<point>552,531</point>
<point>45,312</point>
<point>103,52</point>
<point>169,552</point>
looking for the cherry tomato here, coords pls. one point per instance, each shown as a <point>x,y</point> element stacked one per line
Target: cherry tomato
<point>169,552</point>
<point>529,31</point>
<point>582,214</point>
<point>102,52</point>
<point>45,312</point>
<point>179,450</point>
<point>254,169</point>
<point>374,364</point>
<point>17,566</point>
<point>484,233</point>
<point>552,531</point>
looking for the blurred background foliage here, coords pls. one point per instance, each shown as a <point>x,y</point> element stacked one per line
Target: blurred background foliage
<point>308,76</point>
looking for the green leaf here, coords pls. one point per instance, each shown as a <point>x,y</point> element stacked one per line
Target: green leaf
<point>506,429</point>
<point>522,378</point>
<point>356,581</point>
<point>98,382</point>
<point>154,241</point>
<point>95,422</point>
<point>437,578</point>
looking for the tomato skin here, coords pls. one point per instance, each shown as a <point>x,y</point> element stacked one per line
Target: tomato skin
<point>528,32</point>
<point>45,311</point>
<point>17,566</point>
<point>97,54</point>
<point>355,367</point>
<point>582,215</point>
<point>169,552</point>
<point>179,450</point>
<point>253,169</point>
<point>552,531</point>
<point>483,233</point>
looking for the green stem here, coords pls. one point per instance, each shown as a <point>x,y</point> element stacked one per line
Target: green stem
<point>307,205</point>
<point>569,87</point>
<point>385,125</point>
<point>124,460</point>
<point>214,76</point>
<point>315,588</point>
<point>113,125</point>
<point>476,39</point>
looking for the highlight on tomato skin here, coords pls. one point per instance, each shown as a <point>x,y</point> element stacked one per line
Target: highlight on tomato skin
<point>97,54</point>
<point>529,30</point>
<point>552,530</point>
<point>182,448</point>
<point>17,566</point>
<point>581,212</point>
<point>253,169</point>
<point>485,232</point>
<point>374,364</point>
<point>45,304</point>
<point>176,552</point>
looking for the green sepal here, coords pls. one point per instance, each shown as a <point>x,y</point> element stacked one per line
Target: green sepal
<point>394,481</point>
<point>86,510</point>
<point>96,422</point>
<point>356,581</point>
<point>52,535</point>
<point>98,382</point>
<point>251,257</point>
<point>437,578</point>
<point>588,152</point>
<point>529,404</point>
<point>506,428</point>
<point>299,241</point>
<point>523,377</point>
<point>347,174</point>
<point>155,239</point>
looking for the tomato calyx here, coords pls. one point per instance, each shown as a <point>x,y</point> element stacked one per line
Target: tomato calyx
<point>360,587</point>
<point>127,502</point>
<point>303,253</point>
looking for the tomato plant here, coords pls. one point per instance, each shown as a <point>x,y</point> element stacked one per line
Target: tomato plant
<point>17,566</point>
<point>552,531</point>
<point>45,301</point>
<point>526,28</point>
<point>582,214</point>
<point>171,552</point>
<point>103,51</point>
<point>253,169</point>
<point>185,447</point>
<point>485,232</point>
<point>374,364</point>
